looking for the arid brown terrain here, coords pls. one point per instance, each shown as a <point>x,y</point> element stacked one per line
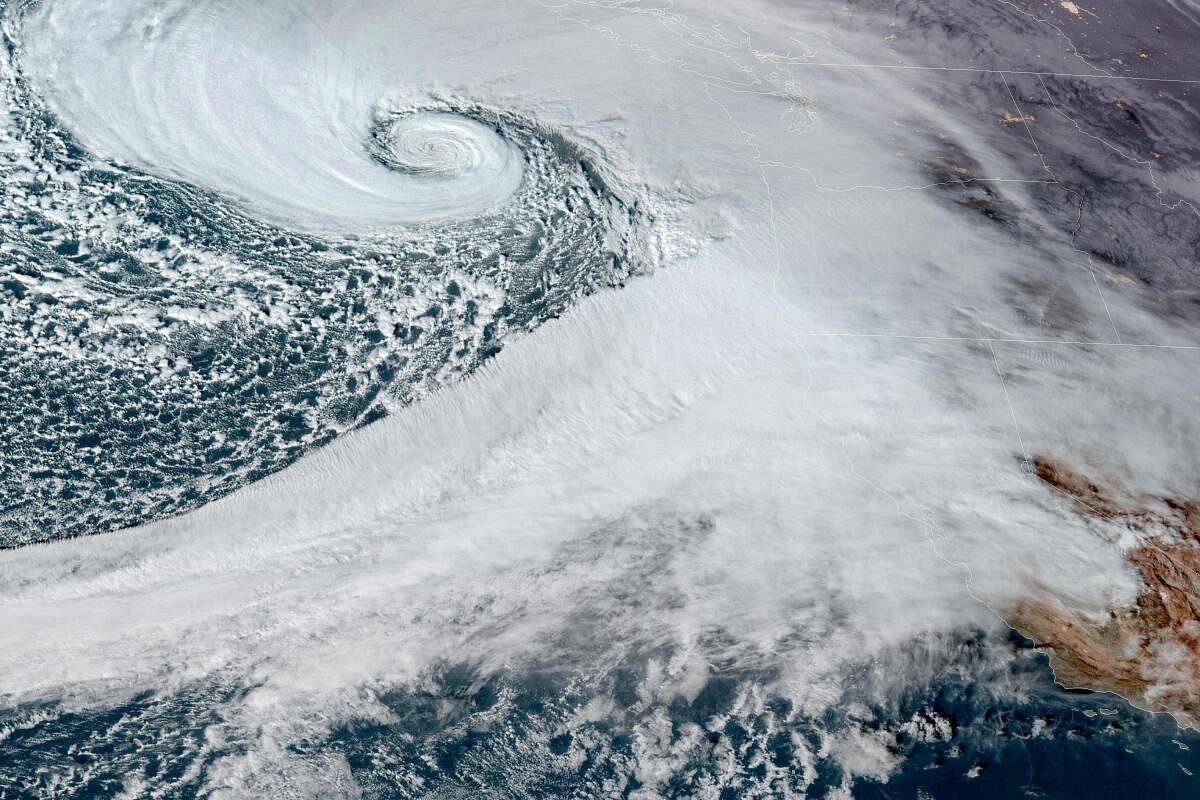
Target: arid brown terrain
<point>1149,652</point>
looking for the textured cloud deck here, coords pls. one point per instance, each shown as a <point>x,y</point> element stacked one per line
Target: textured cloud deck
<point>604,398</point>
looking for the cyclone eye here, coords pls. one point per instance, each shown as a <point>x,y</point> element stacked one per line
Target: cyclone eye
<point>437,145</point>
<point>397,259</point>
<point>442,152</point>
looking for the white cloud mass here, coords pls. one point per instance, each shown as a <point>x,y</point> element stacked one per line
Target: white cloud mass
<point>796,445</point>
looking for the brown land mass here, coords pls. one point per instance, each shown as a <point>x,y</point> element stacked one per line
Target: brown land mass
<point>1149,652</point>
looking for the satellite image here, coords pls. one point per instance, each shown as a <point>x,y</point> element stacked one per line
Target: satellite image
<point>600,399</point>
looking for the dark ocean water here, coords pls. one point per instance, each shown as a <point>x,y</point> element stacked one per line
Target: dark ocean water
<point>977,726</point>
<point>141,376</point>
<point>108,426</point>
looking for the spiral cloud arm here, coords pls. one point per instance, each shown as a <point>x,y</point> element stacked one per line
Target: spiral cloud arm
<point>631,399</point>
<point>334,263</point>
<point>301,141</point>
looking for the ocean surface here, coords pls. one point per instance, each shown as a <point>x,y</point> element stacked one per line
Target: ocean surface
<point>594,398</point>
